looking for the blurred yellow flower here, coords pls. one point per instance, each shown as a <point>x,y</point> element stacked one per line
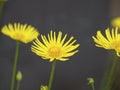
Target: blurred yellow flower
<point>111,41</point>
<point>43,87</point>
<point>54,47</point>
<point>116,22</point>
<point>20,32</point>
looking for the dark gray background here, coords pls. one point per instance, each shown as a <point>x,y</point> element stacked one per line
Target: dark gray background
<point>78,18</point>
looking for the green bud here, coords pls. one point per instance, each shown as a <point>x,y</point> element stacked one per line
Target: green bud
<point>19,76</point>
<point>90,80</point>
<point>44,87</point>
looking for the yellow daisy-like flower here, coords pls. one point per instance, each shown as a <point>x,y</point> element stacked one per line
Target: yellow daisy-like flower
<point>20,32</point>
<point>111,41</point>
<point>116,22</point>
<point>54,47</point>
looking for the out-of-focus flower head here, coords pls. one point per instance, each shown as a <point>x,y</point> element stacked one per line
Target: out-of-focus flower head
<point>116,22</point>
<point>111,41</point>
<point>20,32</point>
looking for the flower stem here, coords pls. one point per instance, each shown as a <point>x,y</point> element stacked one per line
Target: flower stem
<point>18,85</point>
<point>3,0</point>
<point>14,65</point>
<point>93,87</point>
<point>51,75</point>
<point>110,75</point>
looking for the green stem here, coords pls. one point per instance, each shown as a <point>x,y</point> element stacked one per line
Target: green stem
<point>18,85</point>
<point>3,0</point>
<point>110,75</point>
<point>93,87</point>
<point>15,66</point>
<point>51,75</point>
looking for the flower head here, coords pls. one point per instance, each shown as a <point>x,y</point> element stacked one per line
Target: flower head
<point>20,32</point>
<point>111,41</point>
<point>116,22</point>
<point>54,47</point>
<point>43,87</point>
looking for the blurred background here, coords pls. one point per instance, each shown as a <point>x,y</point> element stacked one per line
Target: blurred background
<point>78,18</point>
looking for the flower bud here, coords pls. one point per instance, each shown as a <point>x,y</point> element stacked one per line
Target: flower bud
<point>44,87</point>
<point>90,81</point>
<point>19,76</point>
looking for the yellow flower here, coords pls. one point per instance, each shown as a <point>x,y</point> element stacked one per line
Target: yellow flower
<point>111,41</point>
<point>43,87</point>
<point>54,47</point>
<point>116,22</point>
<point>20,32</point>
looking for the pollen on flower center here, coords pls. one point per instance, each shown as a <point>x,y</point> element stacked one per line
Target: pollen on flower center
<point>18,36</point>
<point>54,52</point>
<point>116,45</point>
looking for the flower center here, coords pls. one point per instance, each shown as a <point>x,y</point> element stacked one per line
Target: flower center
<point>116,45</point>
<point>18,36</point>
<point>54,52</point>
